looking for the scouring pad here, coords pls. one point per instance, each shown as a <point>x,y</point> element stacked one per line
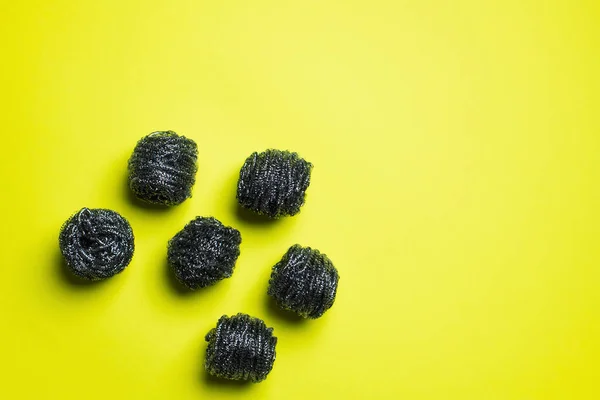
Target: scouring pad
<point>240,348</point>
<point>96,243</point>
<point>204,252</point>
<point>274,183</point>
<point>304,281</point>
<point>162,168</point>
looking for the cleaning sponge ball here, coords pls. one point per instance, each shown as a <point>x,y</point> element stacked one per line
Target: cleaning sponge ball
<point>204,252</point>
<point>96,243</point>
<point>162,168</point>
<point>273,183</point>
<point>241,348</point>
<point>304,281</point>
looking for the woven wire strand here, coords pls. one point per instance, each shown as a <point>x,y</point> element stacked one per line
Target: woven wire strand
<point>305,281</point>
<point>162,168</point>
<point>240,348</point>
<point>274,183</point>
<point>96,243</point>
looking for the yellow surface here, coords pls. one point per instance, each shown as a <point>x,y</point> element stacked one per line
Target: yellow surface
<point>456,186</point>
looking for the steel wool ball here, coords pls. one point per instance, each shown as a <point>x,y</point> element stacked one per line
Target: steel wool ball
<point>240,348</point>
<point>305,281</point>
<point>274,183</point>
<point>204,252</point>
<point>162,168</point>
<point>96,243</point>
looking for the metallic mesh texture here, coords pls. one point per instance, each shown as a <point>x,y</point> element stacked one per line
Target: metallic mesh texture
<point>241,348</point>
<point>273,183</point>
<point>96,243</point>
<point>162,168</point>
<point>204,252</point>
<point>304,281</point>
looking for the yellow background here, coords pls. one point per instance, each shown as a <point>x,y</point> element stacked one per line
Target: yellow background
<point>456,187</point>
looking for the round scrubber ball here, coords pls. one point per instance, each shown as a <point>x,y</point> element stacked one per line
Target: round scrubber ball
<point>204,252</point>
<point>162,168</point>
<point>96,243</point>
<point>241,348</point>
<point>304,281</point>
<point>273,183</point>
